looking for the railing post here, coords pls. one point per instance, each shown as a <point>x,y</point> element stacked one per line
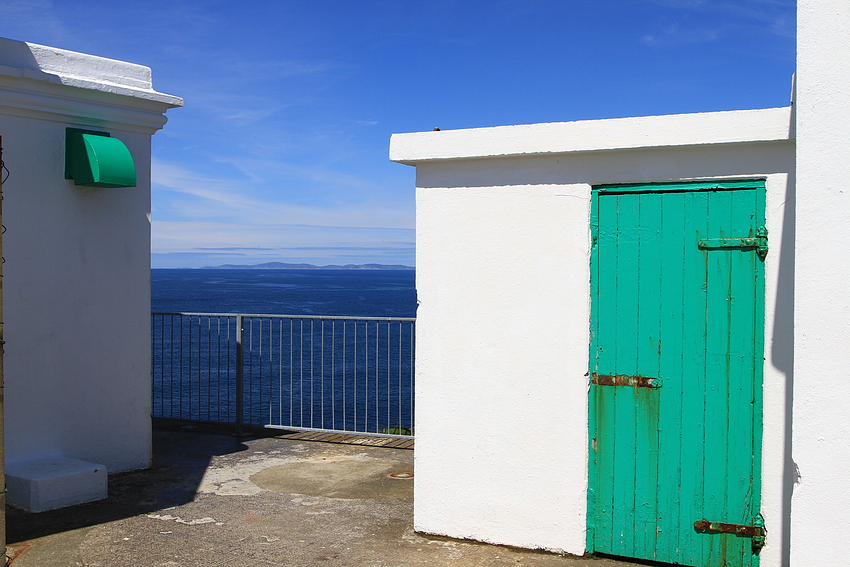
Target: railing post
<point>240,376</point>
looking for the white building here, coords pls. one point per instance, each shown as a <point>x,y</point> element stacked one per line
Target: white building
<point>509,241</point>
<point>76,285</point>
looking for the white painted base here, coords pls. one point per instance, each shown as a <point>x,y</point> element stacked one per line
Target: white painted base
<point>54,482</point>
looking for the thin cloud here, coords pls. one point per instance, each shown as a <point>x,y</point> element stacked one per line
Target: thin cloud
<point>31,18</point>
<point>196,197</point>
<point>774,17</point>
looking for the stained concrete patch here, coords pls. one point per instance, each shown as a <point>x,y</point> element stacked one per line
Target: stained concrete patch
<point>338,476</point>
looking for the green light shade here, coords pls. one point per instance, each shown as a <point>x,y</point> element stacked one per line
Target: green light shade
<point>96,159</point>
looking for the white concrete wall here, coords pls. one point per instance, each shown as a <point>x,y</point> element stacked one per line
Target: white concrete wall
<point>502,326</point>
<point>76,285</point>
<point>821,440</point>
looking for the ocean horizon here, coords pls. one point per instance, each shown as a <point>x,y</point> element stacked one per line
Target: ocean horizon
<point>329,292</point>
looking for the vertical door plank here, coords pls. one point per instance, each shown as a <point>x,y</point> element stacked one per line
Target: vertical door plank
<point>742,301</point>
<point>718,325</point>
<point>674,217</point>
<point>604,360</point>
<point>647,400</point>
<point>693,378</point>
<point>625,346</point>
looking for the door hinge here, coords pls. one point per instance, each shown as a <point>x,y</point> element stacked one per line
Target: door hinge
<point>756,530</point>
<point>758,242</point>
<point>625,380</point>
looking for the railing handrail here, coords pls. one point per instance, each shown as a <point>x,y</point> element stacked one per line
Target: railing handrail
<point>279,316</point>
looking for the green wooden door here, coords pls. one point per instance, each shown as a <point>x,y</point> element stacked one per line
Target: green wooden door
<point>676,371</point>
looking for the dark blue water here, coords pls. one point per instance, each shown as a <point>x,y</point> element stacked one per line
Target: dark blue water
<point>355,293</point>
<point>354,375</point>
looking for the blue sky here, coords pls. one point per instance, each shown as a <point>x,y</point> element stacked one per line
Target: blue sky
<point>280,153</point>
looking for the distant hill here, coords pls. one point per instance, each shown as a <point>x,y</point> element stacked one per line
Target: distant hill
<point>284,266</point>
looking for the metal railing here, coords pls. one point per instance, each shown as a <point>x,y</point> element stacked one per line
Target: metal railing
<point>345,374</point>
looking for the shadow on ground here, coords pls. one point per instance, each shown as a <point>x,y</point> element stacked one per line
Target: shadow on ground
<point>213,500</point>
<point>173,479</point>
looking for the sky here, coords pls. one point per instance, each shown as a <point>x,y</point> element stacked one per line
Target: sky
<point>281,150</point>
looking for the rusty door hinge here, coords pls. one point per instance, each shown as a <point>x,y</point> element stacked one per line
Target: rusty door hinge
<point>755,531</point>
<point>624,380</point>
<point>759,242</point>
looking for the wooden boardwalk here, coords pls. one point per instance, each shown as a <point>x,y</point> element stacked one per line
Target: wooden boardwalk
<point>346,439</point>
<point>259,431</point>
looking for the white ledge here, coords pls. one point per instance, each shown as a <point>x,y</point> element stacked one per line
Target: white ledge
<point>58,66</point>
<point>764,125</point>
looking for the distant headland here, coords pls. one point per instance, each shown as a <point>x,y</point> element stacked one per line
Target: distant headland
<point>285,266</point>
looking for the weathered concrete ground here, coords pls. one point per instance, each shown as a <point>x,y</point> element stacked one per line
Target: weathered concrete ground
<point>213,500</point>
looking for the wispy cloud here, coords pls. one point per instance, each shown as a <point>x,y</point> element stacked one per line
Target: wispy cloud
<point>191,195</point>
<point>703,21</point>
<point>678,34</point>
<point>32,18</point>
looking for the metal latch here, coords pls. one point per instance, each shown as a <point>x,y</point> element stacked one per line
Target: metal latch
<point>755,531</point>
<point>759,242</point>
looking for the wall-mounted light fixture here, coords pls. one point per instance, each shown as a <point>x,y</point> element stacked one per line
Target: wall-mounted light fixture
<point>96,159</point>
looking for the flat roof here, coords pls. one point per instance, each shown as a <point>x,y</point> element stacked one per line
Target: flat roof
<point>737,126</point>
<point>69,68</point>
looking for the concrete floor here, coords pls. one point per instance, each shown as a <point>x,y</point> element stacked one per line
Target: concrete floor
<point>214,500</point>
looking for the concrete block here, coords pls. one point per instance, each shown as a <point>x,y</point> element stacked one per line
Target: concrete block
<point>49,483</point>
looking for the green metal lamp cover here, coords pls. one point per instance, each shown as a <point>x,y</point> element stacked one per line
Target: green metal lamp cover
<point>96,159</point>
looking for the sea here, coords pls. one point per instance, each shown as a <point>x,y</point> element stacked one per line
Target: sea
<point>350,375</point>
<point>352,293</point>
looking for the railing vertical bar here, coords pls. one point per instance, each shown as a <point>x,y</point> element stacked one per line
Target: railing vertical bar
<point>377,373</point>
<point>181,367</point>
<point>366,381</point>
<point>271,366</point>
<point>217,368</point>
<point>355,376</point>
<point>200,388</point>
<point>154,373</point>
<point>280,371</point>
<point>322,376</point>
<point>260,367</point>
<point>171,368</point>
<point>312,366</point>
<point>240,374</point>
<point>250,366</point>
<point>162,363</point>
<point>333,374</point>
<point>291,369</point>
<point>301,368</point>
<point>188,347</point>
<point>229,358</point>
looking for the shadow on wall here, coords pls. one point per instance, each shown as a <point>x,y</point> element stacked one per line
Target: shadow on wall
<point>783,358</point>
<point>630,166</point>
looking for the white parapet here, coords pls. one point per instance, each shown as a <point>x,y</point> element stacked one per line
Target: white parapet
<point>48,483</point>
